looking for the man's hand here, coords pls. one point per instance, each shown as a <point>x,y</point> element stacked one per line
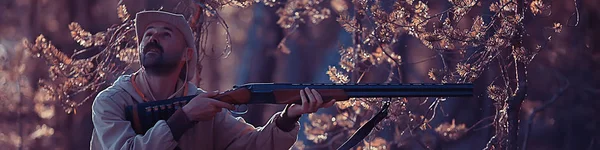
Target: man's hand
<point>311,102</point>
<point>202,107</point>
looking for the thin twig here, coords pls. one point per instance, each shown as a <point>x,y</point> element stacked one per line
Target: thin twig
<point>576,14</point>
<point>490,143</point>
<point>541,108</point>
<point>481,121</point>
<point>591,144</point>
<point>395,61</point>
<point>422,144</point>
<point>358,42</point>
<point>433,107</point>
<point>224,25</point>
<point>282,42</point>
<point>504,74</point>
<point>363,74</point>
<point>421,61</point>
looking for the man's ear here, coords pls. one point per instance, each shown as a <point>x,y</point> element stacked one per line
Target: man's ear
<point>188,53</point>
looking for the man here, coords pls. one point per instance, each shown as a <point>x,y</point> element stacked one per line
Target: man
<point>168,57</point>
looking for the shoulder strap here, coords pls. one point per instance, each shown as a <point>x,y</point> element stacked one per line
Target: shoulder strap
<point>139,92</point>
<point>366,129</point>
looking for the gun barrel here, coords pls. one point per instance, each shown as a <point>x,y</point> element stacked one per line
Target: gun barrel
<point>410,90</point>
<point>285,93</point>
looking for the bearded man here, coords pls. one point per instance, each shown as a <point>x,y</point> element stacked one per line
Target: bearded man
<point>168,57</point>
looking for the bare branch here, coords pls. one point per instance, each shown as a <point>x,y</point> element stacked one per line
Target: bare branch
<point>544,106</point>
<point>481,121</point>
<point>281,46</point>
<point>490,143</point>
<point>515,100</point>
<point>576,14</point>
<point>514,103</point>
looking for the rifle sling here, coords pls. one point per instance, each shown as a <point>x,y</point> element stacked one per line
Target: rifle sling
<point>366,129</point>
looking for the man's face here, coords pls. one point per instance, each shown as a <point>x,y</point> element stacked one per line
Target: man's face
<point>162,47</point>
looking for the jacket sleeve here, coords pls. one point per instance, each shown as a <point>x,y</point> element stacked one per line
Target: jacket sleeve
<point>114,132</point>
<point>235,133</point>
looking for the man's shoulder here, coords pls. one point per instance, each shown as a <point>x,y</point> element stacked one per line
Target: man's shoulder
<point>109,100</point>
<point>111,92</point>
<point>114,93</point>
<point>116,88</point>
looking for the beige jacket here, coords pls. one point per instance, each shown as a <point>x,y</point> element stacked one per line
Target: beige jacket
<point>112,131</point>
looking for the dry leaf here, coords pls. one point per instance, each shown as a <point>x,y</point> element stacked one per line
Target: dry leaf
<point>451,131</point>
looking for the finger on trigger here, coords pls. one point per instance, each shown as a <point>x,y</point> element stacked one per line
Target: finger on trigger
<point>221,104</point>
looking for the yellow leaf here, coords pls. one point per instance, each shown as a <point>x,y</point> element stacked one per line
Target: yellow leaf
<point>122,13</point>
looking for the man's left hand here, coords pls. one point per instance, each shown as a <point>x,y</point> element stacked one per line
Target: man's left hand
<point>311,102</point>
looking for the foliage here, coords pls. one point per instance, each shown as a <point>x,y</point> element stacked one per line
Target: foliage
<point>466,52</point>
<point>20,98</point>
<point>113,53</point>
<point>376,27</point>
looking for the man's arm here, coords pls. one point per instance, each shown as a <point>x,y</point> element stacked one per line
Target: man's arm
<point>279,133</point>
<point>113,131</point>
<point>235,133</point>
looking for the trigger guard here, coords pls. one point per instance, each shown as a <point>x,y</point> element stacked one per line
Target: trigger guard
<point>240,112</point>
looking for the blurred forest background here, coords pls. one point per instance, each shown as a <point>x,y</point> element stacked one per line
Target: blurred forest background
<point>536,70</point>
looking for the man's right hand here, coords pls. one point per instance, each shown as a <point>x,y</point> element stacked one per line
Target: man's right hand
<point>203,107</point>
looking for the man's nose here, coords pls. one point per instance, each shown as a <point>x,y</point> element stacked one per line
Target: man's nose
<point>153,39</point>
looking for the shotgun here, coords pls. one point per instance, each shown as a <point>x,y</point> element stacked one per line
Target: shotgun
<point>144,115</point>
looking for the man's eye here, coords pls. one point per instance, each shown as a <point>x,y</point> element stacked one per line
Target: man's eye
<point>167,35</point>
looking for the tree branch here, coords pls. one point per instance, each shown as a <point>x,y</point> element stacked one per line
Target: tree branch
<point>357,41</point>
<point>515,101</point>
<point>490,143</point>
<point>541,108</point>
<point>576,14</point>
<point>514,104</point>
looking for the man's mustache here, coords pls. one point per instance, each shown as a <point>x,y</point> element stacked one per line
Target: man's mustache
<point>153,45</point>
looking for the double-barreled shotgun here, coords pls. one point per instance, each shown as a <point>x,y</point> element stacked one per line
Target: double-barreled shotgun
<point>144,115</point>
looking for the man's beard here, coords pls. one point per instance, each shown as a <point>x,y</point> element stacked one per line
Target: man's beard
<point>158,63</point>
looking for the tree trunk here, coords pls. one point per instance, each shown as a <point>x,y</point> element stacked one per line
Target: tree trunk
<point>258,63</point>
